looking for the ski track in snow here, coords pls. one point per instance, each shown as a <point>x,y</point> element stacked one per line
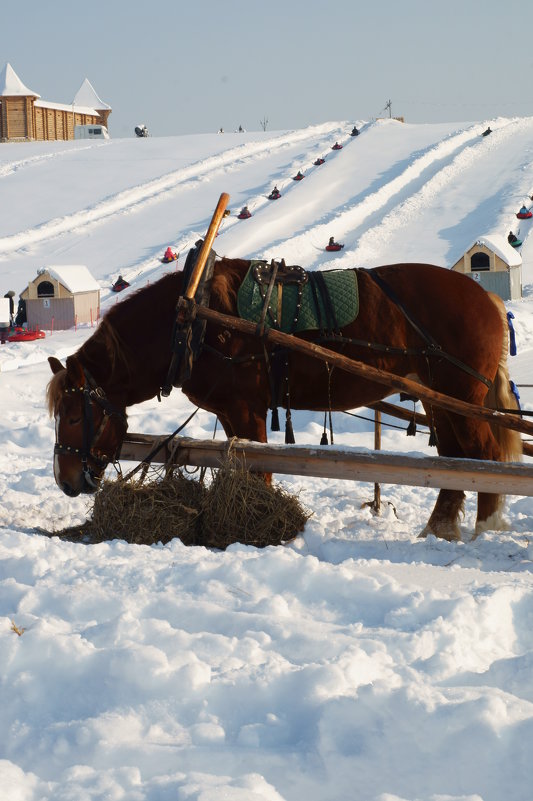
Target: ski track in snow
<point>137,197</point>
<point>366,224</point>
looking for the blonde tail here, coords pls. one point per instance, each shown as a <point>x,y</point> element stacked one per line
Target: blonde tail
<point>500,396</point>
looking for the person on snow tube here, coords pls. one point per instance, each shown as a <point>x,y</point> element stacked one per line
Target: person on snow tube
<point>169,256</point>
<point>318,162</point>
<point>275,194</point>
<point>332,245</point>
<point>244,213</point>
<point>120,284</point>
<point>354,132</point>
<point>512,238</point>
<point>336,146</point>
<point>298,177</point>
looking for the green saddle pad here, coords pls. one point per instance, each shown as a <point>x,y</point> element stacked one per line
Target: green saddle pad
<point>342,289</point>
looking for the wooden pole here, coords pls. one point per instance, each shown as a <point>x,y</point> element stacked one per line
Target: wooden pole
<point>355,367</point>
<point>206,247</point>
<point>439,472</point>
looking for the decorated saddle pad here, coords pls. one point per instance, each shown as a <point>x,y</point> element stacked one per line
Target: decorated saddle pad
<point>336,295</point>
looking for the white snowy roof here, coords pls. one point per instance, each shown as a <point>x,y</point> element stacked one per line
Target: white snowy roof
<point>64,107</point>
<point>75,277</point>
<point>86,96</point>
<point>499,245</point>
<point>11,85</point>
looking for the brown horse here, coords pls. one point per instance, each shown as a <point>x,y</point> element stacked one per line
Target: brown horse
<point>125,362</point>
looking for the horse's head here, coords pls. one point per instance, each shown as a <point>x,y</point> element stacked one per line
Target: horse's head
<point>89,428</point>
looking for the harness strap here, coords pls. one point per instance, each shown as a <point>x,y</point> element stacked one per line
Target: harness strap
<point>434,348</point>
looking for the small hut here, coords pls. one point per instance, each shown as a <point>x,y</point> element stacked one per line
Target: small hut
<point>496,265</point>
<point>61,297</point>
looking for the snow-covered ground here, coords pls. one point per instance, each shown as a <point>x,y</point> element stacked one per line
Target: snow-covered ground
<point>357,662</point>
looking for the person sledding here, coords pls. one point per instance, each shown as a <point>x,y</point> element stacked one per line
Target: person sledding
<point>354,131</point>
<point>487,131</point>
<point>299,176</point>
<point>336,146</point>
<point>333,246</point>
<point>319,161</point>
<point>169,256</point>
<point>120,284</point>
<point>513,240</point>
<point>524,213</point>
<point>244,213</point>
<point>275,194</point>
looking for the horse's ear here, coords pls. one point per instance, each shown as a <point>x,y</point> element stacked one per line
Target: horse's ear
<point>55,364</point>
<point>75,371</point>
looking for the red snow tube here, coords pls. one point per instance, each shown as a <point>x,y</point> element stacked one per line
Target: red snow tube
<point>318,162</point>
<point>274,196</point>
<point>244,215</point>
<point>333,248</point>
<point>298,177</point>
<point>24,335</point>
<point>525,216</point>
<point>336,146</point>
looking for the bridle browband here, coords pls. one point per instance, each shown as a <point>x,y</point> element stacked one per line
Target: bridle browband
<point>92,394</point>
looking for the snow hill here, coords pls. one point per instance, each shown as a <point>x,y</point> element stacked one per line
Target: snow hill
<point>358,661</point>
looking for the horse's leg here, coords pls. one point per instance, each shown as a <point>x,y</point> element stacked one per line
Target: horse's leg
<point>478,442</point>
<point>444,519</point>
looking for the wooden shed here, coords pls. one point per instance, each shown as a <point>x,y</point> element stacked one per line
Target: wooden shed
<point>495,264</point>
<point>25,117</point>
<point>61,297</point>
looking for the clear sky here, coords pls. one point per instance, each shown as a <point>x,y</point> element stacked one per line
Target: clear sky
<point>196,66</point>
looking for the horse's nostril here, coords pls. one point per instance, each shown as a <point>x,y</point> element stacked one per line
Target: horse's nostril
<point>68,490</point>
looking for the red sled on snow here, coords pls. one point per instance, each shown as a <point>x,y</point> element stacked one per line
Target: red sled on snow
<point>524,215</point>
<point>336,146</point>
<point>19,334</point>
<point>318,162</point>
<point>334,247</point>
<point>274,195</point>
<point>299,176</point>
<point>244,214</point>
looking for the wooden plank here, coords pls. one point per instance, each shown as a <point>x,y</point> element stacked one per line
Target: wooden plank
<point>347,464</point>
<point>394,382</point>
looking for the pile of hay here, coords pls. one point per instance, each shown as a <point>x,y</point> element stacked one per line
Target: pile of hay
<point>236,507</point>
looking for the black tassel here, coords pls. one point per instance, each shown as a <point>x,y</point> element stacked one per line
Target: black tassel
<point>289,433</point>
<point>274,420</point>
<point>433,440</point>
<point>324,439</point>
<point>411,428</point>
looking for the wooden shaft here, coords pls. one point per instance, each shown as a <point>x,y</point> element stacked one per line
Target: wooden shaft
<point>437,471</point>
<point>206,247</point>
<point>395,382</point>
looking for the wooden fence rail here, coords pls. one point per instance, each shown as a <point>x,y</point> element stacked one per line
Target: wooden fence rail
<point>387,468</point>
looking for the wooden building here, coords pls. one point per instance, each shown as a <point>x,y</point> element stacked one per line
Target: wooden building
<point>61,297</point>
<point>25,117</point>
<point>495,264</point>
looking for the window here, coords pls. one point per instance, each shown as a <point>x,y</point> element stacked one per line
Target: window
<point>45,290</point>
<point>479,261</point>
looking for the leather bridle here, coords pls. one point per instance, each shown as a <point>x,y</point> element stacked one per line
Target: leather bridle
<point>92,394</point>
